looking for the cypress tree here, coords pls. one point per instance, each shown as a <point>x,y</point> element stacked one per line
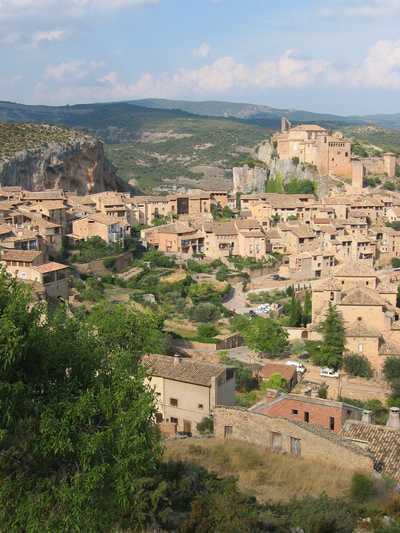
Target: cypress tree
<point>333,335</point>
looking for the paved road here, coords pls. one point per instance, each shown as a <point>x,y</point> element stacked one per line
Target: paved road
<point>237,299</point>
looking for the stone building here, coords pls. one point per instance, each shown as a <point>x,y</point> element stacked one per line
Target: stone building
<point>368,309</point>
<point>327,414</point>
<point>297,438</point>
<point>314,145</point>
<point>187,391</point>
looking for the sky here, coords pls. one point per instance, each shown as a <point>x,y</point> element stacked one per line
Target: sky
<point>333,56</point>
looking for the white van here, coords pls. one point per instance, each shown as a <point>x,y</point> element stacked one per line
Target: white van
<point>299,366</point>
<point>327,372</point>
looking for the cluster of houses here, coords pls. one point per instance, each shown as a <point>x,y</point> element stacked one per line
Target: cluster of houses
<point>330,432</point>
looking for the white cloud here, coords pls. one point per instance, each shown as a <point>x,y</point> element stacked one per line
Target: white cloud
<point>88,81</point>
<point>72,70</point>
<point>48,36</point>
<point>202,51</point>
<point>364,8</point>
<point>24,8</point>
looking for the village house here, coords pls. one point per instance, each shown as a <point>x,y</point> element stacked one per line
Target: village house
<point>109,228</point>
<point>367,305</point>
<point>50,279</point>
<point>188,391</point>
<point>327,414</point>
<point>293,437</point>
<point>382,441</point>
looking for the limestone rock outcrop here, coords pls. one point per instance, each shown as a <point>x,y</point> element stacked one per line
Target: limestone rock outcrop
<point>45,157</point>
<point>248,180</point>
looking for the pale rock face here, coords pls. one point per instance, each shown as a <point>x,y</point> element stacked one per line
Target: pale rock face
<point>248,180</point>
<point>264,152</point>
<point>78,165</point>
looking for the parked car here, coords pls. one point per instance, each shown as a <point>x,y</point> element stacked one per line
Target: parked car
<point>299,366</point>
<point>327,372</point>
<point>251,314</point>
<point>264,308</point>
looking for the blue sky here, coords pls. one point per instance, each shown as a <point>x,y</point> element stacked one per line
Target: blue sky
<point>338,56</point>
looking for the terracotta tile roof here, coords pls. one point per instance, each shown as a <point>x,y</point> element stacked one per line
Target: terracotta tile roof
<point>286,371</point>
<point>390,346</point>
<point>247,223</point>
<point>355,269</point>
<point>180,369</point>
<point>362,296</point>
<point>360,329</point>
<point>56,194</point>
<point>176,228</point>
<point>20,255</point>
<point>225,228</point>
<point>383,442</point>
<point>308,127</point>
<point>50,267</point>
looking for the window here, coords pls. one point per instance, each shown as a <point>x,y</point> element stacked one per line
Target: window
<point>228,430</point>
<point>331,423</point>
<point>360,348</point>
<point>230,373</point>
<point>174,420</point>
<point>306,416</point>
<point>276,441</point>
<point>173,402</point>
<point>295,412</point>
<point>332,296</point>
<point>295,446</point>
<point>200,406</point>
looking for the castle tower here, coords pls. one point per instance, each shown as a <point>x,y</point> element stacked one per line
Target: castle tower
<point>389,164</point>
<point>285,125</point>
<point>357,175</point>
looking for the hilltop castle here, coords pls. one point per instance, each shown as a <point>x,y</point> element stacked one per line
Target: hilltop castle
<point>329,153</point>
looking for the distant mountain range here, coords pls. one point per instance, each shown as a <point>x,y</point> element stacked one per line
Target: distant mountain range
<point>133,114</point>
<point>263,114</point>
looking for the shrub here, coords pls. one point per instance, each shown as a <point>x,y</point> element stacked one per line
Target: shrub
<point>109,262</point>
<point>323,391</point>
<point>362,488</point>
<point>206,426</point>
<point>276,381</point>
<point>206,332</point>
<point>205,312</point>
<point>245,381</point>
<point>357,365</point>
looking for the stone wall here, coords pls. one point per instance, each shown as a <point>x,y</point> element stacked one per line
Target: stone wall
<point>315,444</point>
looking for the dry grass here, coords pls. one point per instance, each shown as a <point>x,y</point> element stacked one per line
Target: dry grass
<point>175,277</point>
<point>266,475</point>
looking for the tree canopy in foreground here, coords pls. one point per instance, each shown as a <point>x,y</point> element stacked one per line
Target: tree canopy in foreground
<point>76,430</point>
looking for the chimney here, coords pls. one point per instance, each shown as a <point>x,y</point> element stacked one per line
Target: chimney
<point>177,359</point>
<point>271,394</point>
<point>366,417</point>
<point>394,418</point>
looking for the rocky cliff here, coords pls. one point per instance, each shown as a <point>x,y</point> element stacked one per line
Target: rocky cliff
<point>39,157</point>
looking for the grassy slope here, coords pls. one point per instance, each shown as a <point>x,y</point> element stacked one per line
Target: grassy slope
<point>266,475</point>
<point>122,126</point>
<point>208,141</point>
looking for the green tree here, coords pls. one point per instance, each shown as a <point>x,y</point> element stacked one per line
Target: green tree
<point>206,426</point>
<point>205,312</point>
<point>307,308</point>
<point>206,332</point>
<point>333,339</point>
<point>123,327</point>
<point>357,365</point>
<point>276,381</point>
<point>391,371</point>
<point>265,335</point>
<point>76,422</point>
<point>295,312</point>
